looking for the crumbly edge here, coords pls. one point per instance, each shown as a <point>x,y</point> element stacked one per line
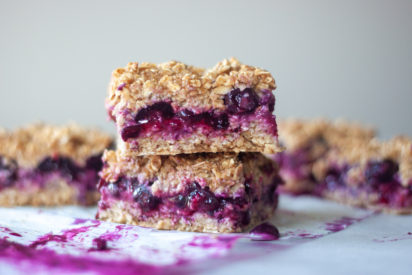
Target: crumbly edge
<point>300,133</point>
<point>221,172</point>
<point>138,85</point>
<point>29,145</point>
<point>120,212</point>
<point>364,200</point>
<point>55,193</point>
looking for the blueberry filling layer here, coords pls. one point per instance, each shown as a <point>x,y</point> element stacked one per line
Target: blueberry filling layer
<point>381,178</point>
<point>161,117</point>
<point>85,176</point>
<point>194,199</point>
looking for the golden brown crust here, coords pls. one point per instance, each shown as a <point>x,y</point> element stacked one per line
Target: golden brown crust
<point>221,172</point>
<point>185,85</point>
<point>54,193</point>
<point>30,144</point>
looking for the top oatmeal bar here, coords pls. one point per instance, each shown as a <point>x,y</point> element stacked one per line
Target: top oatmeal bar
<point>173,108</point>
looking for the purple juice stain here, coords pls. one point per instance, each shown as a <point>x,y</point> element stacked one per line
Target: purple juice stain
<point>264,232</point>
<point>219,242</point>
<point>10,232</point>
<point>340,224</point>
<point>79,221</point>
<point>385,239</point>
<point>39,259</point>
<point>67,235</point>
<point>310,236</point>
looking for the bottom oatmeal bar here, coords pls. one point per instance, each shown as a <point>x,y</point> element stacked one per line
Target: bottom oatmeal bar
<point>196,192</point>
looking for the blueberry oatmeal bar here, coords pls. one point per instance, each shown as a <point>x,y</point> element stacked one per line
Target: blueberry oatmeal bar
<point>306,142</point>
<point>209,192</point>
<point>346,163</point>
<point>50,165</point>
<point>173,108</point>
<point>372,174</point>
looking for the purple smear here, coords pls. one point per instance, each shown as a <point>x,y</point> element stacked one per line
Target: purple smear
<point>66,236</point>
<point>39,259</point>
<point>340,224</point>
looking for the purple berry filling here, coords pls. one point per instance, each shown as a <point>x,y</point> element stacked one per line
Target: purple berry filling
<point>84,177</point>
<point>161,117</point>
<point>194,199</point>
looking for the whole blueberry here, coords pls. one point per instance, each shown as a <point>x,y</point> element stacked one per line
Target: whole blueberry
<point>381,171</point>
<point>180,201</point>
<point>145,199</point>
<point>240,102</point>
<point>67,167</point>
<point>114,189</point>
<point>220,122</point>
<point>48,164</point>
<point>157,112</point>
<point>94,162</point>
<point>203,200</point>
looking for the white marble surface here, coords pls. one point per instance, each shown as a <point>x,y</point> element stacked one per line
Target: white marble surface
<point>369,243</point>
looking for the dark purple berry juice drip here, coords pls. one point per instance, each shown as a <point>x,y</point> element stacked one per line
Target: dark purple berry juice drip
<point>264,232</point>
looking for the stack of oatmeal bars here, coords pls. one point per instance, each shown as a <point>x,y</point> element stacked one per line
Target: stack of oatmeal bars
<point>189,151</point>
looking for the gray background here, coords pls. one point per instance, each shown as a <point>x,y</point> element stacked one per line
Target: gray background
<point>350,59</point>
